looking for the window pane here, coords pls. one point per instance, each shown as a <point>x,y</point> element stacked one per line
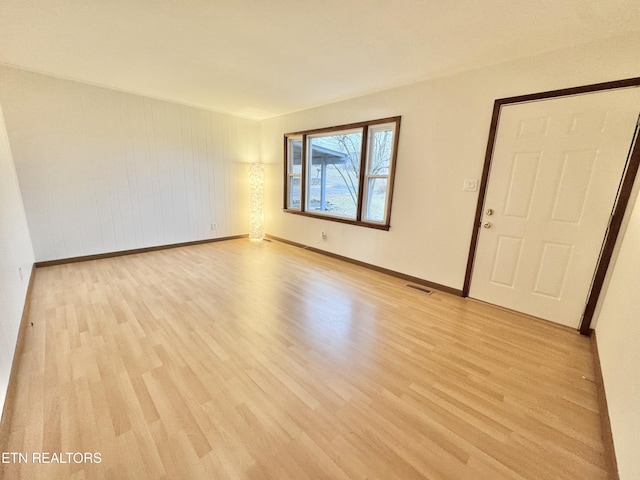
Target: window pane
<point>333,174</point>
<point>380,160</point>
<point>295,156</point>
<point>294,192</point>
<point>376,199</point>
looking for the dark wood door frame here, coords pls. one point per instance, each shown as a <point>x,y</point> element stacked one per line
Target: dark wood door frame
<point>620,205</point>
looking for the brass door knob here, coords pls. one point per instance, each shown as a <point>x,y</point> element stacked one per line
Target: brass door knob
<point>487,225</point>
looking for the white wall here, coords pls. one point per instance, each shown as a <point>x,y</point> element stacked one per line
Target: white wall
<point>103,171</point>
<point>618,334</point>
<point>445,125</point>
<point>15,253</point>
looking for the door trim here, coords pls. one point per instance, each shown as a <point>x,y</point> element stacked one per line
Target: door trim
<point>624,193</point>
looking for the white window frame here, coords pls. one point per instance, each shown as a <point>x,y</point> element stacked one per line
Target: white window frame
<point>366,201</point>
<point>291,175</point>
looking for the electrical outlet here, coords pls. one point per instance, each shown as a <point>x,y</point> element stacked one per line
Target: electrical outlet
<point>20,273</point>
<point>214,226</point>
<point>324,235</point>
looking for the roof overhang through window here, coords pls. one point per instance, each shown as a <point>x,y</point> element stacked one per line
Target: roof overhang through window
<point>319,155</point>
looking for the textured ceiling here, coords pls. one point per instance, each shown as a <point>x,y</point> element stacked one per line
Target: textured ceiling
<point>259,58</point>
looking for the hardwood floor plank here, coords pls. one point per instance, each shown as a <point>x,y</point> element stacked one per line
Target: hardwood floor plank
<point>259,360</point>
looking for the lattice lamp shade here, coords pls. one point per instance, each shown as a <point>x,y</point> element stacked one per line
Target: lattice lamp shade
<point>256,202</point>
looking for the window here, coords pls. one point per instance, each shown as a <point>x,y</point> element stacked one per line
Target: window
<point>294,173</point>
<point>343,173</point>
<point>333,173</point>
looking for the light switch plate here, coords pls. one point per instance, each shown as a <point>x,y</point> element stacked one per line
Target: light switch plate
<point>470,185</point>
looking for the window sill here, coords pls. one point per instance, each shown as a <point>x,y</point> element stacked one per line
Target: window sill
<point>376,226</point>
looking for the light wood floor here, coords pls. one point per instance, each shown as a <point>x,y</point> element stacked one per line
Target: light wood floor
<point>257,360</point>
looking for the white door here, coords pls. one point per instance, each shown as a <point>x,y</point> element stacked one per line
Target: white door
<point>555,172</point>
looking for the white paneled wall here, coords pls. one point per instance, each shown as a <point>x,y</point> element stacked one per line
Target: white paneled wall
<point>16,260</point>
<point>104,171</point>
